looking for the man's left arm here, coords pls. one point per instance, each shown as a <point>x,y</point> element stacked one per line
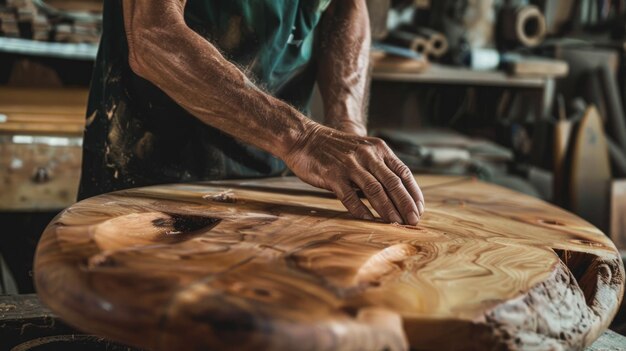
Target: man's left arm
<point>343,72</point>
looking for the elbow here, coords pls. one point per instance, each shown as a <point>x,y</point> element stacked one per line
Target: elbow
<point>140,48</point>
<point>135,61</point>
<point>147,48</point>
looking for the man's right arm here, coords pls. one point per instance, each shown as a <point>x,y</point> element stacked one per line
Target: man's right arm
<point>166,52</point>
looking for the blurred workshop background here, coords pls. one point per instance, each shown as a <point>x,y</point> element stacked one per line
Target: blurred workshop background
<point>527,94</point>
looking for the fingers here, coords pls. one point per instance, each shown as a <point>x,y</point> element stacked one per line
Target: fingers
<point>335,160</point>
<point>408,180</point>
<point>349,198</point>
<point>399,194</point>
<point>377,196</point>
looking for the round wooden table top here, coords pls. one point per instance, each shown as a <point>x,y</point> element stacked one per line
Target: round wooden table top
<point>276,264</point>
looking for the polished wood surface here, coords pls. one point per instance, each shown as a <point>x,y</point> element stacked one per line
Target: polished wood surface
<point>276,264</point>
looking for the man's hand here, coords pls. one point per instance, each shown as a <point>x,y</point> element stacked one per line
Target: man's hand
<point>338,161</point>
<point>193,72</point>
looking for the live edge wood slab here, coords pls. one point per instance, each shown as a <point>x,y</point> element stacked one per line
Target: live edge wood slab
<point>275,264</point>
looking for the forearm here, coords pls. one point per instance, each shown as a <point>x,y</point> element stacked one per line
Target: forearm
<point>195,75</point>
<point>343,75</point>
<point>163,50</point>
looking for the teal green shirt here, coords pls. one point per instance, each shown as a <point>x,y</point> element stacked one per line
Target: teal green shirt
<point>136,135</point>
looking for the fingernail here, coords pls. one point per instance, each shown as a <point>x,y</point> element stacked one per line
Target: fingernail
<point>396,219</point>
<point>421,208</point>
<point>413,218</point>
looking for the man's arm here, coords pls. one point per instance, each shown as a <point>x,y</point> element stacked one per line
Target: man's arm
<point>163,50</point>
<point>343,75</point>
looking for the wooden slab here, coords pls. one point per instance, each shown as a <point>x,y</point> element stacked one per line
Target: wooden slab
<point>590,171</point>
<point>562,135</point>
<point>618,209</point>
<point>391,64</point>
<point>519,65</point>
<point>247,265</point>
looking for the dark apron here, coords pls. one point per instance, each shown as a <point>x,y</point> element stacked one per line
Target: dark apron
<point>136,135</point>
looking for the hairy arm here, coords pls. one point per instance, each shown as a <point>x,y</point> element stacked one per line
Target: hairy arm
<point>164,51</point>
<point>343,75</point>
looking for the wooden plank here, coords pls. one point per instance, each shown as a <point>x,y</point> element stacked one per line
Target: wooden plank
<point>442,74</point>
<point>618,159</point>
<point>42,111</point>
<point>257,265</point>
<point>590,171</point>
<point>52,117</point>
<point>77,5</point>
<point>562,133</point>
<point>518,65</point>
<point>27,99</point>
<point>42,128</point>
<point>398,64</point>
<point>618,213</point>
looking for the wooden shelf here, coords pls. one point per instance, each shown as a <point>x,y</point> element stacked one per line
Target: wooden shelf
<point>42,111</point>
<point>442,74</point>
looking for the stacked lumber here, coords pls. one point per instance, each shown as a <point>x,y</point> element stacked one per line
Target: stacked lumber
<point>8,22</point>
<point>37,20</point>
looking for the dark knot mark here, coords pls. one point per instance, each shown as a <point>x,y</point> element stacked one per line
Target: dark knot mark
<point>550,222</point>
<point>186,225</point>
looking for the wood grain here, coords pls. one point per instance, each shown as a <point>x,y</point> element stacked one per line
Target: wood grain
<point>275,264</point>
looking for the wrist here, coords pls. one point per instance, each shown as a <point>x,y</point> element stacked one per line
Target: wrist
<point>349,126</point>
<point>299,137</point>
<point>345,117</point>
